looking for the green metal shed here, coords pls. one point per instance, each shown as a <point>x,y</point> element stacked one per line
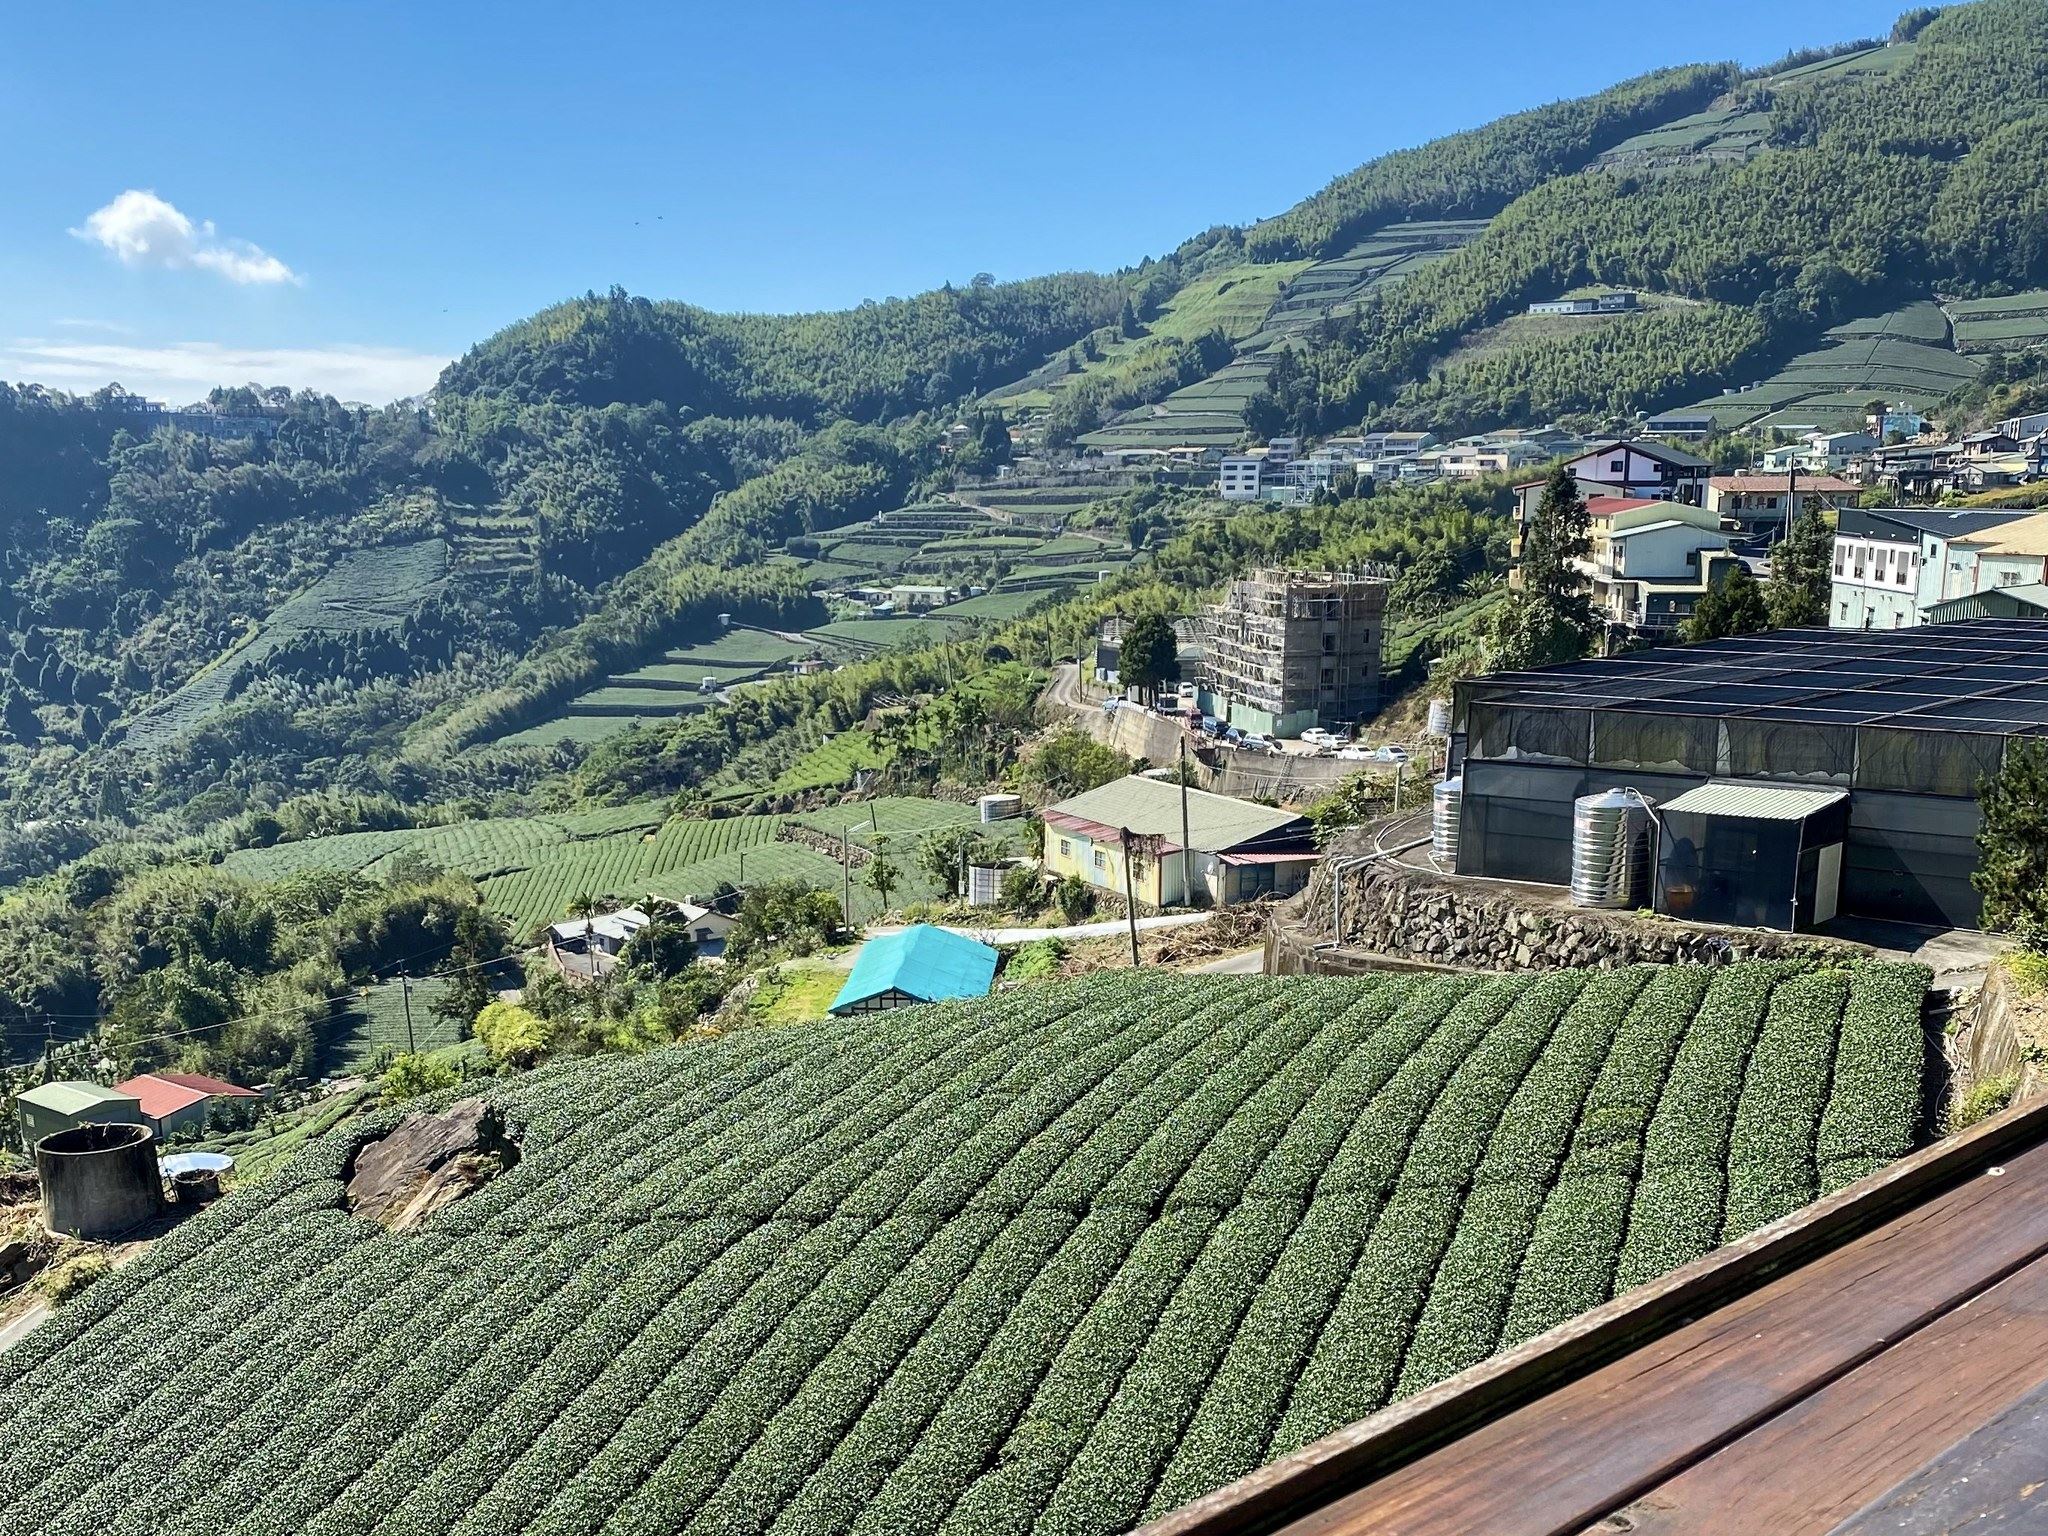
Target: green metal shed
<point>53,1107</point>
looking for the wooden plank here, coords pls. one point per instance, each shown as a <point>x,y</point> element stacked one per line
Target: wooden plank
<point>1995,1480</point>
<point>1398,1435</point>
<point>1826,1457</point>
<point>1556,1465</point>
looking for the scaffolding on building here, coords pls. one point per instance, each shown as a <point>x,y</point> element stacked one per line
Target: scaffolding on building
<point>1290,645</point>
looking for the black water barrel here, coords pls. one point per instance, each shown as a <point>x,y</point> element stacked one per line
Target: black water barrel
<point>99,1180</point>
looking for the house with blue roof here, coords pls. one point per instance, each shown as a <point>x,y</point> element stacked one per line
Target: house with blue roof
<point>922,964</point>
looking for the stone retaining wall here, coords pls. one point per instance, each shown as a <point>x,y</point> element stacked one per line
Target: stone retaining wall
<point>1406,914</point>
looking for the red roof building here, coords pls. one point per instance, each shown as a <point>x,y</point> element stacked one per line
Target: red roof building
<point>178,1101</point>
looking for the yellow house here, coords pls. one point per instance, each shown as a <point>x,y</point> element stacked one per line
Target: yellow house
<point>1237,850</point>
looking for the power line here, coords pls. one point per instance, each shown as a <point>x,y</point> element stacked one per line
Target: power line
<point>339,997</point>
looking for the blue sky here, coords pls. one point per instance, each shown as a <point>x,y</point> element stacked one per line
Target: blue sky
<point>344,196</point>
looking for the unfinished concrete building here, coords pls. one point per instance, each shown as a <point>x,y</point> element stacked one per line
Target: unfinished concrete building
<point>1287,650</point>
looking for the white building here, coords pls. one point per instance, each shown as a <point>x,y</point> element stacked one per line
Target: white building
<point>1282,450</point>
<point>1892,564</point>
<point>1648,562</point>
<point>1818,453</point>
<point>1900,418</point>
<point>1396,445</point>
<point>1237,478</point>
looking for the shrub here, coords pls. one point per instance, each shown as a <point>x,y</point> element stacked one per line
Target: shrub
<point>1024,891</point>
<point>1037,961</point>
<point>414,1074</point>
<point>1075,898</point>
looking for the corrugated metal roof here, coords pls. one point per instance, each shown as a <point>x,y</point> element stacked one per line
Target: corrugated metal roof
<point>72,1098</point>
<point>1818,485</point>
<point>1657,527</point>
<point>2020,601</point>
<point>1151,808</point>
<point>922,961</point>
<point>165,1093</point>
<point>1758,802</point>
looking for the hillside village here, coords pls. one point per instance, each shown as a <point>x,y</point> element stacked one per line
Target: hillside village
<point>1364,878</point>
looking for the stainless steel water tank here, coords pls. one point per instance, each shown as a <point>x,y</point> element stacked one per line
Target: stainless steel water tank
<point>1000,807</point>
<point>1439,717</point>
<point>1446,807</point>
<point>1610,850</point>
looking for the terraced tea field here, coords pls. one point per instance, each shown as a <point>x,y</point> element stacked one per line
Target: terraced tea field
<point>1051,1261</point>
<point>530,869</point>
<point>864,637</point>
<point>895,821</point>
<point>1233,300</point>
<point>1900,356</point>
<point>670,685</point>
<point>1210,412</point>
<point>367,589</point>
<point>374,1020</point>
<point>999,606</point>
<point>2001,325</point>
<point>1728,132</point>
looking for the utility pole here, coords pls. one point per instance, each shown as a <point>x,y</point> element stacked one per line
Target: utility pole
<point>1187,883</point>
<point>405,990</point>
<point>845,879</point>
<point>1791,494</point>
<point>1130,894</point>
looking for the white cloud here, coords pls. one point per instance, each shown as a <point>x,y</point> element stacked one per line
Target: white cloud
<point>184,371</point>
<point>142,230</point>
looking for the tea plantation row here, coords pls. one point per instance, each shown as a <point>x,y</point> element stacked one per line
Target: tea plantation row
<point>1041,1263</point>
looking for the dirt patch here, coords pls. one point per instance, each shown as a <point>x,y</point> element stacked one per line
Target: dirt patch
<point>428,1163</point>
<point>1229,932</point>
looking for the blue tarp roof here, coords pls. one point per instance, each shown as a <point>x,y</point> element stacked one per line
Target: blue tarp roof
<point>923,962</point>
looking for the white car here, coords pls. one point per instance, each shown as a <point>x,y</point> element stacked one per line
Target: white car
<point>1372,754</point>
<point>1317,737</point>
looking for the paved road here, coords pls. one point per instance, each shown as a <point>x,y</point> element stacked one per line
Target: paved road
<point>1111,930</point>
<point>1065,690</point>
<point>23,1325</point>
<point>1252,962</point>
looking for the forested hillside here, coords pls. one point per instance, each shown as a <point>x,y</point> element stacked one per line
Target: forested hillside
<point>1867,188</point>
<point>880,360</point>
<point>195,624</point>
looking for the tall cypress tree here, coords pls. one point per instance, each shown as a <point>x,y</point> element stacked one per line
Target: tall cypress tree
<point>1802,571</point>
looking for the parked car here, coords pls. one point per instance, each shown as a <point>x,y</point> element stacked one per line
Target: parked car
<point>1353,754</point>
<point>1232,735</point>
<point>1390,754</point>
<point>1258,741</point>
<point>1315,736</point>
<point>1211,726</point>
